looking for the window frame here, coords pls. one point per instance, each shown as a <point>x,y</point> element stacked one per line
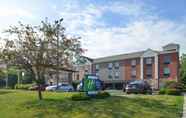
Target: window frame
<point>117,76</point>
<point>97,67</point>
<point>133,62</point>
<point>116,65</point>
<point>133,70</point>
<point>147,61</point>
<point>167,59</point>
<point>110,66</point>
<point>166,74</point>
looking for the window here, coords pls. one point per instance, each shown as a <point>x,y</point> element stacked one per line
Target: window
<point>86,71</point>
<point>133,62</point>
<point>166,71</point>
<point>149,71</point>
<point>77,76</point>
<point>117,74</point>
<point>133,72</point>
<point>97,67</point>
<point>110,66</point>
<point>167,59</point>
<point>117,65</point>
<point>97,74</point>
<point>149,61</point>
<point>110,74</point>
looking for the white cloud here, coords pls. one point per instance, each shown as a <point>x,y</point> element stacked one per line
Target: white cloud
<point>146,30</point>
<point>139,35</point>
<point>4,12</point>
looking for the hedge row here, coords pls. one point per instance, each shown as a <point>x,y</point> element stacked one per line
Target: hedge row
<point>83,96</point>
<point>170,91</point>
<point>23,86</point>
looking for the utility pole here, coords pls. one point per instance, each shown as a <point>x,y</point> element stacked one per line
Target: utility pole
<point>7,75</point>
<point>57,58</point>
<point>7,64</point>
<point>18,77</point>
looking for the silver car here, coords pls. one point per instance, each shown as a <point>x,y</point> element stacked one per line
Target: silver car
<point>65,88</point>
<point>61,87</point>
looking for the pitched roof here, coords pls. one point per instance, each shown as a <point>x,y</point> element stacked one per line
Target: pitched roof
<point>171,44</point>
<point>119,57</point>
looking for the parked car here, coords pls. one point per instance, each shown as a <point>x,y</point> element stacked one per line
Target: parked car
<point>36,87</point>
<point>61,87</point>
<point>138,86</point>
<point>51,88</point>
<point>65,88</point>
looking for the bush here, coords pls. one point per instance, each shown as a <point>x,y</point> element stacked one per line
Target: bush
<point>173,92</point>
<point>102,95</point>
<point>80,97</point>
<point>171,84</point>
<point>162,91</point>
<point>23,86</point>
<point>75,84</point>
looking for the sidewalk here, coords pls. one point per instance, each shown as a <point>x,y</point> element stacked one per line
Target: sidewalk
<point>184,106</point>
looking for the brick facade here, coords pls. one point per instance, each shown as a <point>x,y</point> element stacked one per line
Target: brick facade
<point>173,65</point>
<point>152,72</point>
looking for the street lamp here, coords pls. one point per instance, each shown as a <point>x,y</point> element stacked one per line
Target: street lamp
<point>23,74</point>
<point>7,64</point>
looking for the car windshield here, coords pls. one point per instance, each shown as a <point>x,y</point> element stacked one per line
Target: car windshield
<point>136,82</point>
<point>64,85</point>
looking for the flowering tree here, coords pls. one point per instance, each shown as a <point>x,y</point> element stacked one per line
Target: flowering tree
<point>40,48</point>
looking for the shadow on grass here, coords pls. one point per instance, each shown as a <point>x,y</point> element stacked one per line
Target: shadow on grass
<point>2,92</point>
<point>115,107</point>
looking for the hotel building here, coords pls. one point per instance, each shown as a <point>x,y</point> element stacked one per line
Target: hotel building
<point>149,65</point>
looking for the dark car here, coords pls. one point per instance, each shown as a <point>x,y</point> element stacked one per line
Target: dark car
<point>138,86</point>
<point>36,87</point>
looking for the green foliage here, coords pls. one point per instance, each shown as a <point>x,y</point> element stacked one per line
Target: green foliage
<point>83,96</point>
<point>171,87</point>
<point>173,92</point>
<point>12,80</point>
<point>23,86</point>
<point>80,96</point>
<point>2,74</point>
<point>2,83</point>
<point>27,79</point>
<point>23,104</point>
<point>162,91</point>
<point>40,49</point>
<point>102,95</point>
<point>171,84</point>
<point>75,84</point>
<point>183,69</point>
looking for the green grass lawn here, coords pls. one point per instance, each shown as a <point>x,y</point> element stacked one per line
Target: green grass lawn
<point>24,104</point>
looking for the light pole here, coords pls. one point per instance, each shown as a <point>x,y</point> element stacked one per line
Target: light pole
<point>23,74</point>
<point>7,76</point>
<point>18,77</point>
<point>7,64</point>
<point>57,58</point>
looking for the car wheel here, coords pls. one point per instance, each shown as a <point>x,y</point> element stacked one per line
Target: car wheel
<point>127,92</point>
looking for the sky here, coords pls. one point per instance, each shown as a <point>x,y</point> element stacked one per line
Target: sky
<point>106,27</point>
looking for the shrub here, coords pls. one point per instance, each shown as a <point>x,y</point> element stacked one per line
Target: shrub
<point>162,91</point>
<point>80,97</point>
<point>171,84</point>
<point>75,84</point>
<point>23,86</point>
<point>173,92</point>
<point>102,95</point>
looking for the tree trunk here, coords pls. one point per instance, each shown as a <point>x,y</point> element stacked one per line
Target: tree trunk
<point>38,81</point>
<point>40,92</point>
